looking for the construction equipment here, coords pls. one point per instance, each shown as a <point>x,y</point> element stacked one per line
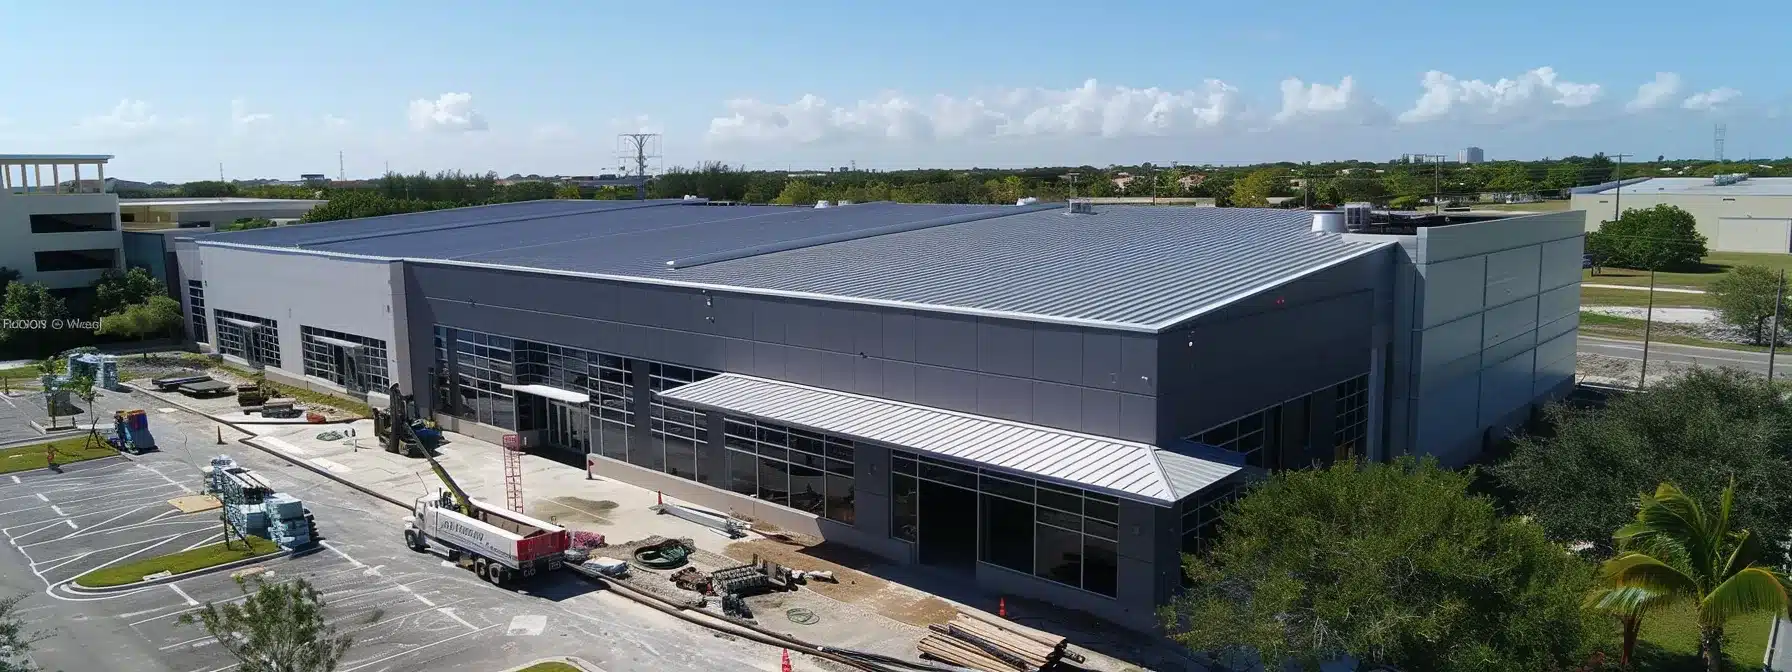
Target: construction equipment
<point>400,431</point>
<point>253,394</point>
<point>496,544</point>
<point>978,641</point>
<point>171,383</point>
<point>130,432</point>
<point>204,388</point>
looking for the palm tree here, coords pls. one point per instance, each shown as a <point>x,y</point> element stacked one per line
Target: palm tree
<point>1628,605</point>
<point>1682,553</point>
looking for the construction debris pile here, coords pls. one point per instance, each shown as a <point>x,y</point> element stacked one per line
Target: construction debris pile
<point>981,642</point>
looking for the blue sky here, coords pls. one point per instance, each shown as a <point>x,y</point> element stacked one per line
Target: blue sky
<point>535,87</point>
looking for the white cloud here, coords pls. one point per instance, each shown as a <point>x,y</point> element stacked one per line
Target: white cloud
<point>448,112</point>
<point>1089,110</point>
<point>333,122</point>
<point>640,123</point>
<point>128,119</point>
<point>1655,93</point>
<point>241,118</point>
<point>1535,93</point>
<point>1323,101</point>
<point>1710,100</point>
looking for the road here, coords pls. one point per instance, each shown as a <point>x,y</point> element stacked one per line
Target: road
<point>1686,355</point>
<point>407,611</point>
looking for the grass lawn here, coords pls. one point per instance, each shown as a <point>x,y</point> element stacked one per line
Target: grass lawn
<point>184,561</point>
<point>1670,641</point>
<point>1717,265</point>
<point>550,666</point>
<point>1631,329</point>
<point>1601,296</point>
<point>20,372</point>
<point>1542,206</point>
<point>71,449</point>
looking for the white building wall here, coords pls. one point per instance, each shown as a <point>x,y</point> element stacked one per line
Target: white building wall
<point>353,296</point>
<point>19,246</point>
<point>1708,209</point>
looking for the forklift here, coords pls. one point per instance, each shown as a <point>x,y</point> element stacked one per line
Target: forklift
<point>399,429</point>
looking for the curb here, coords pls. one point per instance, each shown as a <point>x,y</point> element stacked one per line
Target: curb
<point>72,587</point>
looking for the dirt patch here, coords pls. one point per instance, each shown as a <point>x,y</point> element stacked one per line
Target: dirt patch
<point>578,510</point>
<point>195,503</point>
<point>854,586</point>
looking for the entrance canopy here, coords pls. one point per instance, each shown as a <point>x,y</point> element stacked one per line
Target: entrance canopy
<point>554,393</point>
<point>1126,469</point>
<point>244,324</point>
<point>347,345</point>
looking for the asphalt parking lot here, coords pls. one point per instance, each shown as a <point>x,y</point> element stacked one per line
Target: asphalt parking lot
<point>431,616</point>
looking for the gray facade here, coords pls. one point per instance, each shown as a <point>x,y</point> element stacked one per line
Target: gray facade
<point>1270,372</point>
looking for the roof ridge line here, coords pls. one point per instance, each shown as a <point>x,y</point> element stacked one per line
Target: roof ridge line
<point>845,236</point>
<point>482,222</point>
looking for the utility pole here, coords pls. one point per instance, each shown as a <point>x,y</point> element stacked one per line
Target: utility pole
<point>1072,175</point>
<point>1773,338</point>
<point>639,147</point>
<point>341,173</point>
<point>1648,321</point>
<point>1618,193</point>
<point>220,171</point>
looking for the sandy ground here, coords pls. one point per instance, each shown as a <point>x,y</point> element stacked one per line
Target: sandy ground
<point>1694,316</point>
<point>853,586</point>
<point>1616,372</point>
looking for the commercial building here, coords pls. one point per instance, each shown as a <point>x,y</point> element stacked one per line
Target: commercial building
<point>1471,155</point>
<point>1051,402</point>
<point>1736,213</point>
<point>148,214</point>
<point>61,236</point>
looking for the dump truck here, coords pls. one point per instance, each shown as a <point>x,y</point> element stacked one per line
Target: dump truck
<point>498,545</point>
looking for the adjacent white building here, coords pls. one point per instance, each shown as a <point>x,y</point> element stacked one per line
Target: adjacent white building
<point>1745,215</point>
<point>144,214</point>
<point>63,236</point>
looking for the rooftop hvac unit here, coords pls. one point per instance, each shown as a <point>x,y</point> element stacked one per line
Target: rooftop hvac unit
<point>822,204</point>
<point>1027,201</point>
<point>844,202</point>
<point>1357,216</point>
<point>1081,207</point>
<point>1728,179</point>
<point>1328,221</point>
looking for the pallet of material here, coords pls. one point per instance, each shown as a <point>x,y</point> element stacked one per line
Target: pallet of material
<point>981,642</point>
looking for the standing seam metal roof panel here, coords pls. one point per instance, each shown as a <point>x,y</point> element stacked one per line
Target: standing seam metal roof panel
<point>1122,468</point>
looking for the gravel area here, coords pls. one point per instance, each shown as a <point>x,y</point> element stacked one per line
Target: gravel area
<point>1616,372</point>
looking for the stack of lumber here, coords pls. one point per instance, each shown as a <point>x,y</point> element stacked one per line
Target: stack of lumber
<point>982,642</point>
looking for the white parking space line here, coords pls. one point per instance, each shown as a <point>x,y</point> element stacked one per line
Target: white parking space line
<point>207,540</point>
<point>15,479</point>
<point>42,497</point>
<point>457,619</point>
<point>89,533</point>
<point>183,595</point>
<point>46,525</point>
<point>65,561</point>
<point>72,525</point>
<point>182,486</point>
<point>102,524</point>
<point>333,549</point>
<point>420,598</point>
<point>57,509</point>
<point>376,661</point>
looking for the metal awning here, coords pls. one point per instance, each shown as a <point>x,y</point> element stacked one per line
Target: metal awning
<point>554,393</point>
<point>1127,469</point>
<point>338,342</point>
<point>245,324</point>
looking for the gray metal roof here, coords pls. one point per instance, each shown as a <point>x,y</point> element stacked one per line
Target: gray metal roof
<point>1148,266</point>
<point>1126,267</point>
<point>1127,469</point>
<point>1696,186</point>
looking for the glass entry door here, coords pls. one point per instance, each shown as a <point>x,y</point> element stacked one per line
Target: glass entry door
<point>568,427</point>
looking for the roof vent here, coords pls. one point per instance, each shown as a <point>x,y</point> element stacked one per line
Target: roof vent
<point>1081,207</point>
<point>690,197</point>
<point>844,202</point>
<point>1029,200</point>
<point>1358,216</point>
<point>823,204</point>
<point>1328,221</point>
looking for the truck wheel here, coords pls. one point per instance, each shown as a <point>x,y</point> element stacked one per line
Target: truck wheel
<point>500,574</point>
<point>414,540</point>
<point>479,567</point>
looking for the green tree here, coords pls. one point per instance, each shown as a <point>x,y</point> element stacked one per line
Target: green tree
<point>1254,190</point>
<point>1387,563</point>
<point>532,190</point>
<point>1684,552</point>
<point>50,366</point>
<point>114,290</point>
<point>1510,177</point>
<point>1748,298</point>
<point>84,389</point>
<point>1628,605</point>
<point>279,627</point>
<point>1563,175</point>
<point>568,191</point>
<point>7,277</point>
<point>1662,238</point>
<point>32,309</point>
<point>207,189</point>
<point>798,192</point>
<point>247,223</point>
<point>1703,429</point>
<point>15,640</point>
<point>159,316</point>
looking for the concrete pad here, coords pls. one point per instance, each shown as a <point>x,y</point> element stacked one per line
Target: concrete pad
<point>195,503</point>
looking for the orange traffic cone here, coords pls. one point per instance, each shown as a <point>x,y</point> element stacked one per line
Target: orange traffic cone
<point>1002,607</point>
<point>787,660</point>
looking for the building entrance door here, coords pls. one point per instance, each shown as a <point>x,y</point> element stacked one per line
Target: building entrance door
<point>947,526</point>
<point>568,427</point>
